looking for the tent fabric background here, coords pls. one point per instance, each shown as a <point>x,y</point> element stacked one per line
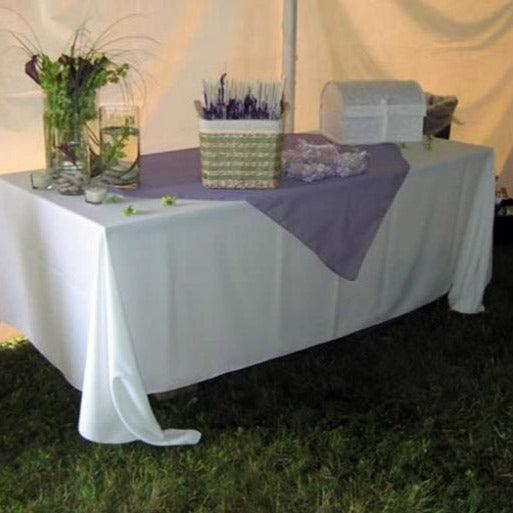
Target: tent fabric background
<point>461,48</point>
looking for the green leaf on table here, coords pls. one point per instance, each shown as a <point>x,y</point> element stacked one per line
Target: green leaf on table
<point>168,201</point>
<point>130,211</point>
<point>111,198</point>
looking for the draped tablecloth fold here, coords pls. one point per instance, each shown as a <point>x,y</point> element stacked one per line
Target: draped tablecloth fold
<point>115,406</point>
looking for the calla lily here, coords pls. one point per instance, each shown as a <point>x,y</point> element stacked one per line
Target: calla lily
<point>31,69</point>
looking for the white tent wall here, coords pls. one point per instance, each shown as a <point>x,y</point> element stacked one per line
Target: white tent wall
<point>198,39</point>
<point>460,47</point>
<point>457,47</point>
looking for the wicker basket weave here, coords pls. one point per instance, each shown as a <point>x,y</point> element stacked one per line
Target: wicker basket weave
<point>241,154</point>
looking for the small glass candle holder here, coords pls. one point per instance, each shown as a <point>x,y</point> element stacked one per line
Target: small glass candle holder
<point>95,194</point>
<point>119,145</point>
<point>40,180</point>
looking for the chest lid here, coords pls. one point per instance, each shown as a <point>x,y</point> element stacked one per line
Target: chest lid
<point>361,98</point>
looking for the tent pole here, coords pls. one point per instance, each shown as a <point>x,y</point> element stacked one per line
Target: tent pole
<point>289,59</point>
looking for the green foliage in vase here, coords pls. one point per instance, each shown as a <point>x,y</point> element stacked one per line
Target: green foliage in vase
<point>70,84</point>
<point>113,151</point>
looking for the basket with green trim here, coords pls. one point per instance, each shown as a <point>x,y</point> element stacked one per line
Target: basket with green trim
<point>241,154</point>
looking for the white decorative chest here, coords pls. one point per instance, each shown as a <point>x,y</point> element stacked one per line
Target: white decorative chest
<point>368,111</point>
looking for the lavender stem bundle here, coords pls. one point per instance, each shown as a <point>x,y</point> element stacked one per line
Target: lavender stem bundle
<point>234,99</point>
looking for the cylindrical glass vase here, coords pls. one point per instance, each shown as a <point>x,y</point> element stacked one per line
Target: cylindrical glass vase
<point>67,158</point>
<point>119,145</point>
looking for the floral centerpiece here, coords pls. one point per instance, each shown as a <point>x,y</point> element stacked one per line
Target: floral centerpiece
<point>70,84</point>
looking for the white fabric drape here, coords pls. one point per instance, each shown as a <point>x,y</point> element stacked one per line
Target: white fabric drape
<point>115,407</point>
<point>461,47</point>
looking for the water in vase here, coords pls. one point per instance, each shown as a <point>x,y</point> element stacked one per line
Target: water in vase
<point>120,155</point>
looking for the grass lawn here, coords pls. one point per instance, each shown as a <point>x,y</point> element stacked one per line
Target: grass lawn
<point>416,416</point>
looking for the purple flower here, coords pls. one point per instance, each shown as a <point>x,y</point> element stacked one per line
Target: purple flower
<point>80,69</point>
<point>31,69</point>
<point>221,89</point>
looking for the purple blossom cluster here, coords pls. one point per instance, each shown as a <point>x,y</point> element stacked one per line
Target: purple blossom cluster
<point>261,101</point>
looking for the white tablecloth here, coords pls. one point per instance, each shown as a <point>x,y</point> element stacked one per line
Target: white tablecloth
<point>126,306</point>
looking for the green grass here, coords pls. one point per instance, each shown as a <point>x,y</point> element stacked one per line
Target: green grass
<point>414,417</point>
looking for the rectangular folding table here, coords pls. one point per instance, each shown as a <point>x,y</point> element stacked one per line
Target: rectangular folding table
<point>127,306</point>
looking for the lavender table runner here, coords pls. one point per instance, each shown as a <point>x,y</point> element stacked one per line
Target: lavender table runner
<point>337,218</point>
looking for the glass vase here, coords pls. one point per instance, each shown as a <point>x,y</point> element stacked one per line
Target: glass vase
<point>119,145</point>
<point>70,165</point>
<point>67,156</point>
<point>93,137</point>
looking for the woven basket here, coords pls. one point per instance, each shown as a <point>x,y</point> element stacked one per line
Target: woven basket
<point>241,154</point>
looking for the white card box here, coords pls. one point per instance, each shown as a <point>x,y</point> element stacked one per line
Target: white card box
<point>372,111</point>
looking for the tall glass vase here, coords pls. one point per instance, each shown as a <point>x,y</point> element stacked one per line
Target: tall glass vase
<point>67,155</point>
